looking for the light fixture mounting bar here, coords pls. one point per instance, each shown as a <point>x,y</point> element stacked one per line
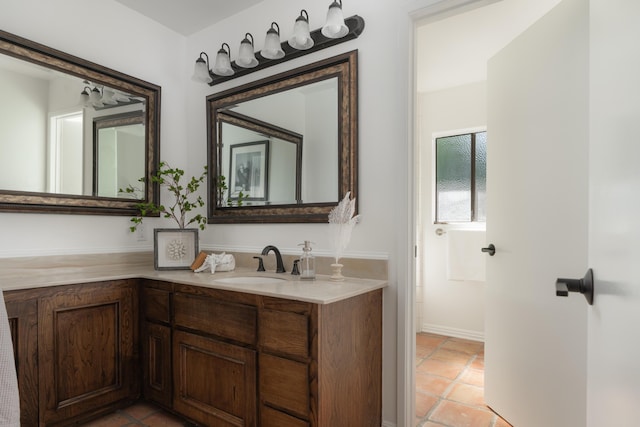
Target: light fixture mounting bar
<point>355,24</point>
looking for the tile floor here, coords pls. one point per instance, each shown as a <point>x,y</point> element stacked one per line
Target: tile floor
<point>450,383</point>
<point>449,390</point>
<point>139,414</point>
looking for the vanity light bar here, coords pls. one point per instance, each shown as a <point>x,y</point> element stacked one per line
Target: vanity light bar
<point>354,23</point>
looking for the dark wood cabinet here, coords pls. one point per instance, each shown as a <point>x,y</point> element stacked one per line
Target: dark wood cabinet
<point>22,309</point>
<point>87,350</point>
<point>219,358</point>
<point>321,365</point>
<point>155,317</point>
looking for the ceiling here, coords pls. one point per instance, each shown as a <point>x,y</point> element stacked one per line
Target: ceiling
<point>188,16</point>
<point>454,51</point>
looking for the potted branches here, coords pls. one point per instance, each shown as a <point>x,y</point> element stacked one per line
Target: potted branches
<point>174,248</point>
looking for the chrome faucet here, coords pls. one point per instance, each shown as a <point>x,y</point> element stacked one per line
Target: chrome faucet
<point>279,263</point>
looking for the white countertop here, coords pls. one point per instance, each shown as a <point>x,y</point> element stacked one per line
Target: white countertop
<point>29,273</point>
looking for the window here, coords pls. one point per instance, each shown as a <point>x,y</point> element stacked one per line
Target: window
<point>461,184</point>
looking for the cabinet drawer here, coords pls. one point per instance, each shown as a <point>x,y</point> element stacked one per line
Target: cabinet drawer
<point>284,332</point>
<point>284,384</point>
<point>228,320</point>
<point>271,418</point>
<point>156,305</point>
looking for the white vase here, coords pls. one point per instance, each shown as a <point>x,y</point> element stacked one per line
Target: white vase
<point>336,273</point>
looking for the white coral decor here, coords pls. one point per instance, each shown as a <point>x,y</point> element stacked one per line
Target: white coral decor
<point>341,222</point>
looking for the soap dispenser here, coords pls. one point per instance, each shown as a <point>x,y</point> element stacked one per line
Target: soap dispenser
<point>307,262</point>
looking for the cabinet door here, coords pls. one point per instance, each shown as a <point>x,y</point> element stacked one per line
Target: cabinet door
<point>87,337</point>
<point>214,382</point>
<point>23,322</point>
<point>156,356</point>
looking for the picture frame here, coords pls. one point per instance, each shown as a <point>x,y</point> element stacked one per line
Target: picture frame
<point>249,171</point>
<point>175,248</point>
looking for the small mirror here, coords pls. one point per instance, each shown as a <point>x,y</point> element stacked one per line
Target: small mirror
<point>73,133</point>
<point>284,149</point>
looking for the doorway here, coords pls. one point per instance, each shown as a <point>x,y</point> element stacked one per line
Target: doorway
<point>65,153</point>
<point>450,56</point>
<point>451,52</point>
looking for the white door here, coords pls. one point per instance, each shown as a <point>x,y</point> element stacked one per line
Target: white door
<point>537,210</point>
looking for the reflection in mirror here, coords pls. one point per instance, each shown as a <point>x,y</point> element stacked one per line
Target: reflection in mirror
<point>276,181</point>
<point>57,114</point>
<point>288,143</point>
<point>119,154</point>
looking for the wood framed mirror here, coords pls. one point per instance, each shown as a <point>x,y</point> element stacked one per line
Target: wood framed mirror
<point>309,120</point>
<point>51,103</point>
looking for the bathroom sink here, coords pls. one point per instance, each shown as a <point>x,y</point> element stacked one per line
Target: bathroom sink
<point>250,280</point>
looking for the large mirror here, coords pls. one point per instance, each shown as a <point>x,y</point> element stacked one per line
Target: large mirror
<point>73,133</point>
<point>284,149</point>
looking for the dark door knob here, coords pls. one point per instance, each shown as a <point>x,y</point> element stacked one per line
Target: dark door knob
<point>491,250</point>
<point>584,286</point>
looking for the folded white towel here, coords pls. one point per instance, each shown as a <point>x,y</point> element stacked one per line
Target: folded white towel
<point>9,397</point>
<point>465,260</point>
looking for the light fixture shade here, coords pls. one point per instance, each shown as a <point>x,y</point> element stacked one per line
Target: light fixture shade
<point>335,27</point>
<point>84,97</point>
<point>222,67</point>
<point>201,70</point>
<point>121,97</point>
<point>246,55</point>
<point>108,97</point>
<point>272,46</point>
<point>301,38</point>
<point>95,97</point>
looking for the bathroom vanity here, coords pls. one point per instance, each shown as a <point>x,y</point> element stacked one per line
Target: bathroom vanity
<point>235,352</point>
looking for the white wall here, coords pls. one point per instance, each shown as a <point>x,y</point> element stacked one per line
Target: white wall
<point>320,147</point>
<point>445,306</point>
<point>614,378</point>
<point>27,134</point>
<point>282,171</point>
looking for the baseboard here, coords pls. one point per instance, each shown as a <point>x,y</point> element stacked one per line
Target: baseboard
<point>388,424</point>
<point>453,332</point>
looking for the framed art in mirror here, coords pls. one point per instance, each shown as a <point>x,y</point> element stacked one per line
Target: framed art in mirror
<point>307,119</point>
<point>249,172</point>
<point>72,133</point>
